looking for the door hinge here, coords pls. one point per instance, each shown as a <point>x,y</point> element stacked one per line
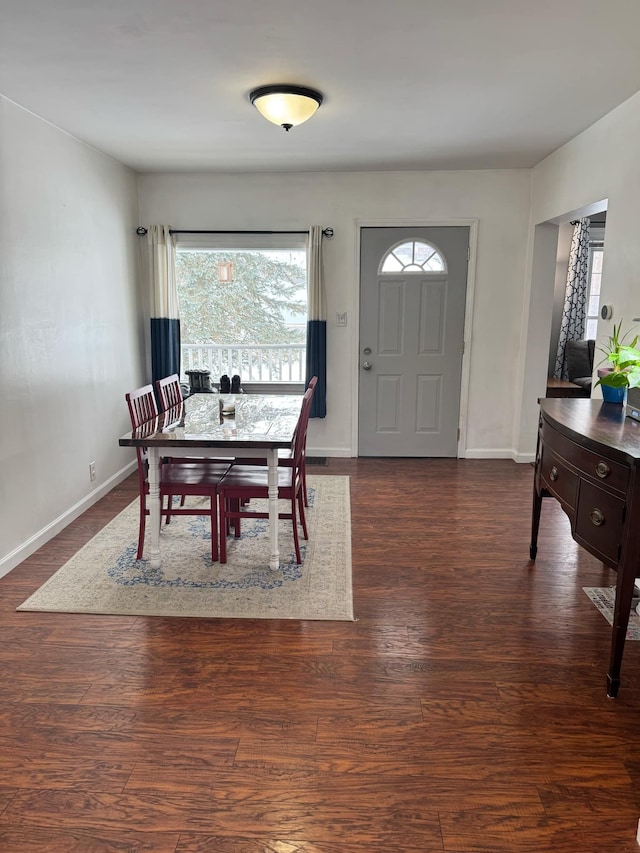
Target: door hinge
<point>468,253</point>
<point>458,433</point>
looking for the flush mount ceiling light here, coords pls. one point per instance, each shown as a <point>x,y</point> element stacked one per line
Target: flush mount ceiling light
<point>286,105</point>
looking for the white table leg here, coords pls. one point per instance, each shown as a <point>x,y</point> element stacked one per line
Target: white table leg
<point>272,461</point>
<point>153,502</point>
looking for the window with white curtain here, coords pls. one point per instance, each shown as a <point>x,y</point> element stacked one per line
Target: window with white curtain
<point>243,305</point>
<point>596,257</point>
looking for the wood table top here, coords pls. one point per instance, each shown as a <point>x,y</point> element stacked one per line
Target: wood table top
<point>219,420</point>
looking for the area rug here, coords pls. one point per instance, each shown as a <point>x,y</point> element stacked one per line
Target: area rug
<point>105,577</point>
<point>604,598</point>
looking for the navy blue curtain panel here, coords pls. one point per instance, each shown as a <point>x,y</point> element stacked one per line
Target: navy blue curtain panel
<point>317,365</point>
<point>165,315</point>
<point>165,347</point>
<point>316,323</point>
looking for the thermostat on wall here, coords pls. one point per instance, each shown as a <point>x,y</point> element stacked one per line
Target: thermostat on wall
<point>606,312</point>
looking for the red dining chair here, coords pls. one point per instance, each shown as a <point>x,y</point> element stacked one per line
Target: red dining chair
<point>285,457</point>
<point>196,478</point>
<point>169,391</point>
<point>142,405</point>
<point>243,482</point>
<point>170,396</point>
<point>311,386</point>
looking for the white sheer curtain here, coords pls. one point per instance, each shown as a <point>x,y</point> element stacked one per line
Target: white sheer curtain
<point>165,321</point>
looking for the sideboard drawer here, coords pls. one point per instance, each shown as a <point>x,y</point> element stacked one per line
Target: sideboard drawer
<point>599,520</point>
<point>592,465</point>
<point>560,480</point>
<point>610,474</point>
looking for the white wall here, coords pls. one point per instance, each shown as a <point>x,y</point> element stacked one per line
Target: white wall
<point>71,327</point>
<point>600,163</point>
<point>499,200</point>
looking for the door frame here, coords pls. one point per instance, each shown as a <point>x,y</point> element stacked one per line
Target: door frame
<point>472,225</point>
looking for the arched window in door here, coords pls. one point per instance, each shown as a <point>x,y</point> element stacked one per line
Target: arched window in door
<point>413,256</point>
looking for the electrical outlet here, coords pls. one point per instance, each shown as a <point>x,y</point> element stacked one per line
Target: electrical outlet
<point>92,471</point>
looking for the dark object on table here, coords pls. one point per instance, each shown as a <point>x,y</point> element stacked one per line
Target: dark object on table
<point>199,382</point>
<point>633,403</point>
<point>235,384</point>
<point>225,384</point>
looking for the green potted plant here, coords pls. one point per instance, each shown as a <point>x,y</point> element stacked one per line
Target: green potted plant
<point>623,369</point>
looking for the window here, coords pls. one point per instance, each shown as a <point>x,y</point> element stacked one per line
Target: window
<point>413,256</point>
<point>596,256</point>
<point>243,305</point>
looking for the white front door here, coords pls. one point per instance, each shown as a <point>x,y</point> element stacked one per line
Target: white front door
<point>413,284</point>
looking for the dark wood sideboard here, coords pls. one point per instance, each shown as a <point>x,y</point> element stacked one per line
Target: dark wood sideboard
<point>588,458</point>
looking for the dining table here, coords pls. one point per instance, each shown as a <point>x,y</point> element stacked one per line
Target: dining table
<point>220,426</point>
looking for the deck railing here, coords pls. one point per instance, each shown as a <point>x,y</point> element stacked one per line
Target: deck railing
<point>252,362</point>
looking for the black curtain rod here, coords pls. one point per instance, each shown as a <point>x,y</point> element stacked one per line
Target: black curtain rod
<point>141,231</point>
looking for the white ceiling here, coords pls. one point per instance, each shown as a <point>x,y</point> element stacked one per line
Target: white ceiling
<point>408,84</point>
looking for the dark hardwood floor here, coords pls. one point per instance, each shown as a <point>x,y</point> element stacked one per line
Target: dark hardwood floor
<point>465,710</point>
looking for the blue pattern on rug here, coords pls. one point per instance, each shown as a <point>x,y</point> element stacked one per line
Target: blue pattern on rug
<point>128,571</point>
<point>101,579</point>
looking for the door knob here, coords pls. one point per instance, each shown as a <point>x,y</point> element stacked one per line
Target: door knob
<point>367,365</point>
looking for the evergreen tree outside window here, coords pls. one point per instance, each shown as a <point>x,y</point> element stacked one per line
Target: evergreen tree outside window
<point>252,297</point>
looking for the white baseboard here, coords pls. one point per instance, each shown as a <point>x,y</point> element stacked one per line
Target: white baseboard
<point>499,453</point>
<point>524,457</point>
<point>15,557</point>
<point>488,453</point>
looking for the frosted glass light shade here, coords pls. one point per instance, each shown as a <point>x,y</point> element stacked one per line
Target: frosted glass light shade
<point>286,105</point>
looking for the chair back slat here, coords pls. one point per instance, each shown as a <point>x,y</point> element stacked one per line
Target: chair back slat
<point>169,391</point>
<point>299,442</point>
<point>142,405</point>
<point>310,391</point>
<point>142,409</point>
<point>300,434</point>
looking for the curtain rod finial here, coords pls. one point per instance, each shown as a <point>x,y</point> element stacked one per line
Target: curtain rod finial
<point>141,231</point>
<point>328,232</point>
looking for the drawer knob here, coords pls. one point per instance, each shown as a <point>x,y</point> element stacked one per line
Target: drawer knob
<point>553,474</point>
<point>602,470</point>
<point>597,517</point>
